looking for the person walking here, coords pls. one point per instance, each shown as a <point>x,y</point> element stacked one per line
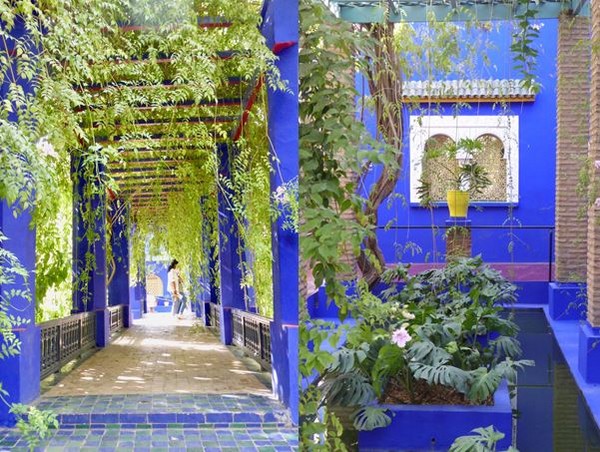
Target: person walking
<point>174,287</point>
<point>182,297</point>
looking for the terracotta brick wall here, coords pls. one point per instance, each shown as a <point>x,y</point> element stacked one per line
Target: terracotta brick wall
<point>458,243</point>
<point>593,265</point>
<point>572,146</point>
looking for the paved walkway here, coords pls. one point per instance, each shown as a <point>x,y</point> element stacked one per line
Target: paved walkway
<point>163,384</point>
<point>161,355</point>
<point>160,439</point>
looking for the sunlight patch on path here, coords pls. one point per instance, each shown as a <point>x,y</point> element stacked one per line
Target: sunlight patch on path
<point>161,355</point>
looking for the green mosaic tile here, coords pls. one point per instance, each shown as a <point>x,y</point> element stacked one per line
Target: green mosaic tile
<point>143,426</point>
<point>151,440</point>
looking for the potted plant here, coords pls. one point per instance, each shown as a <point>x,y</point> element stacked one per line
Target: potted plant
<point>437,346</point>
<point>466,177</point>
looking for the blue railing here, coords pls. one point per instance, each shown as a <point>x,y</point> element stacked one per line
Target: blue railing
<point>214,316</point>
<point>117,318</point>
<point>252,332</point>
<point>66,339</point>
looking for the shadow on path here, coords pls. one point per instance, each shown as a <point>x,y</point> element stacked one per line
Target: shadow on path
<point>164,384</point>
<point>161,355</point>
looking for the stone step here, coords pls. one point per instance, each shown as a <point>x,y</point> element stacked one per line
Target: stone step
<point>161,411</point>
<point>243,439</point>
<point>187,420</point>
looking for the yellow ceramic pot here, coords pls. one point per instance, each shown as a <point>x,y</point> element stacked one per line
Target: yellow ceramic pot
<point>458,203</point>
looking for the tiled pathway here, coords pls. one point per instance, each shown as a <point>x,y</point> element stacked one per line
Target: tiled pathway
<point>163,386</point>
<point>161,355</point>
<point>156,439</point>
<point>170,410</point>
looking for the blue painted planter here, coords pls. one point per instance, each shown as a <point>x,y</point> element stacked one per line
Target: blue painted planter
<point>435,427</point>
<point>567,301</point>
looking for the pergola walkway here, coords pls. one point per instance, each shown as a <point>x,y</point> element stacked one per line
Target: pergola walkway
<point>164,384</point>
<point>161,355</point>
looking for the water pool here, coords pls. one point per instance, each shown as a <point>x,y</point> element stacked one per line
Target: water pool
<point>552,415</point>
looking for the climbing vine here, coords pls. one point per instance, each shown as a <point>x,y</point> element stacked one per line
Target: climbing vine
<point>251,204</point>
<point>340,194</point>
<point>91,92</point>
<point>132,70</point>
<point>331,138</point>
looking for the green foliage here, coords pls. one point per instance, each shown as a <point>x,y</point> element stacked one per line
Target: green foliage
<point>75,81</point>
<point>370,418</point>
<point>332,143</point>
<point>34,424</point>
<point>320,429</point>
<point>336,152</point>
<point>88,90</point>
<point>484,440</point>
<point>523,44</point>
<point>447,326</point>
<point>464,337</point>
<point>336,155</point>
<point>286,204</point>
<point>251,205</point>
<point>11,272</point>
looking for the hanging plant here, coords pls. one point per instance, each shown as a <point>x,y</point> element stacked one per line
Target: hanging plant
<point>135,81</point>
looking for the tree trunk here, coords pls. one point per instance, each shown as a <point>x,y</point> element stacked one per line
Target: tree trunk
<point>385,84</point>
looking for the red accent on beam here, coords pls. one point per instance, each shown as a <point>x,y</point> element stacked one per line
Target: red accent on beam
<point>246,112</point>
<point>111,194</point>
<point>281,46</point>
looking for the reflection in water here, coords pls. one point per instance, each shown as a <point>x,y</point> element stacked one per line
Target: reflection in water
<point>552,415</point>
<point>573,427</point>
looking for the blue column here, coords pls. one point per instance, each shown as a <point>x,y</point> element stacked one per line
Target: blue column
<point>213,296</point>
<point>118,289</point>
<point>20,375</point>
<point>229,261</point>
<point>80,243</point>
<point>281,30</point>
<point>208,281</point>
<point>98,286</point>
<point>89,261</point>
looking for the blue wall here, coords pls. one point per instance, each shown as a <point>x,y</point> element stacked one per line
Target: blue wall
<point>537,142</point>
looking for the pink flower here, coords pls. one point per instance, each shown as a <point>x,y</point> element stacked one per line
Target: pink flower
<point>401,337</point>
